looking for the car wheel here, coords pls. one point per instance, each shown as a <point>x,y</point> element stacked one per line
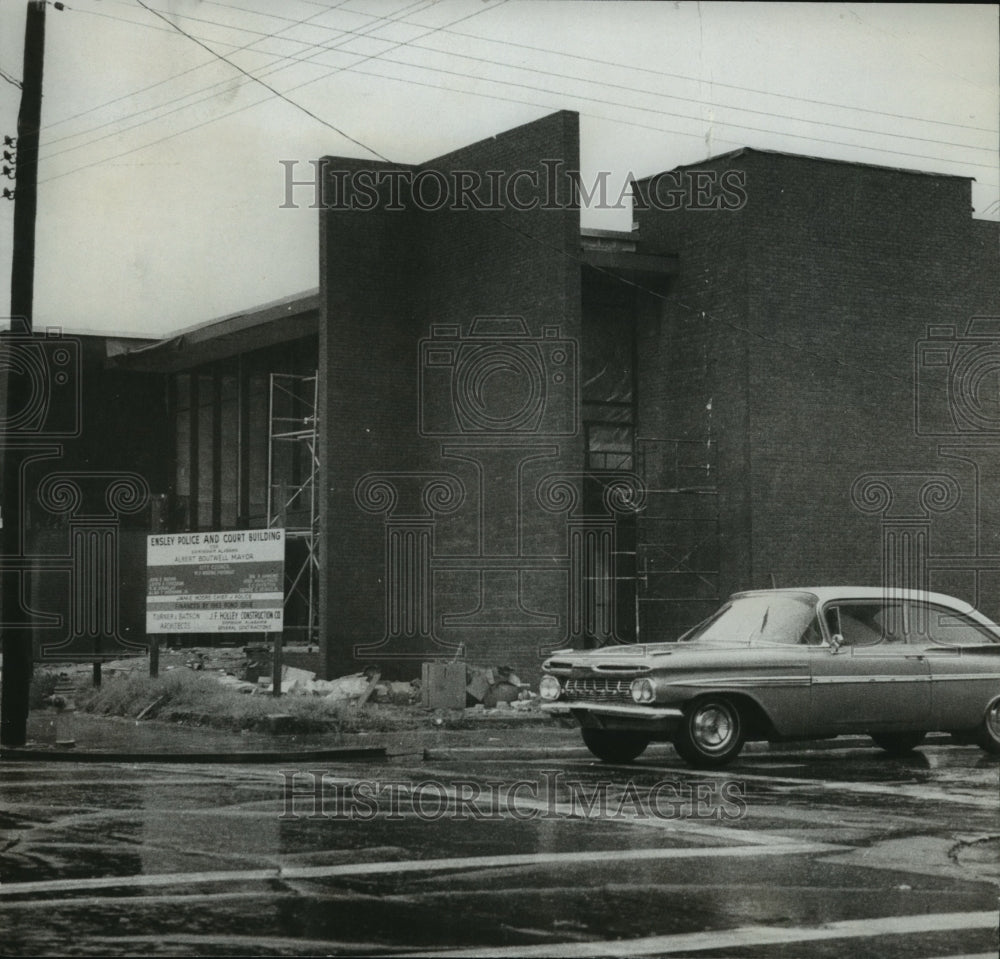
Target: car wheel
<point>988,735</point>
<point>614,747</point>
<point>711,735</point>
<point>898,744</point>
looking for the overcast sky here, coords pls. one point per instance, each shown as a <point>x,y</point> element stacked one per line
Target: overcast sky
<point>160,177</point>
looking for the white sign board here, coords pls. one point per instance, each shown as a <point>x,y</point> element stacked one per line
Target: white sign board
<point>231,582</point>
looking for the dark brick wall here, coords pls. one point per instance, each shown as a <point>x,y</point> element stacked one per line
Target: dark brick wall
<point>848,266</point>
<point>386,277</point>
<point>79,519</point>
<point>777,370</point>
<point>693,417</point>
<point>808,305</point>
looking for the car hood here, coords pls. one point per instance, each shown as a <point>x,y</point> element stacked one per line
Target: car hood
<point>648,656</point>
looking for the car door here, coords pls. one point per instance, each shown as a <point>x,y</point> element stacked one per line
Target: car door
<point>964,661</point>
<point>875,679</point>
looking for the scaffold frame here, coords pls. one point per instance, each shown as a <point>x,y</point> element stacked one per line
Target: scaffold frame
<point>292,480</point>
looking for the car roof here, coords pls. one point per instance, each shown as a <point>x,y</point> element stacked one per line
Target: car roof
<point>825,594</point>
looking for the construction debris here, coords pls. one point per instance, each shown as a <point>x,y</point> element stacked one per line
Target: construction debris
<point>492,687</point>
<point>481,690</point>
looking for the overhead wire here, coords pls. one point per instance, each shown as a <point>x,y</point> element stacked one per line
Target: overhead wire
<point>267,86</point>
<point>221,86</point>
<point>125,96</point>
<point>163,112</point>
<point>247,106</point>
<point>11,80</point>
<point>413,43</point>
<point>715,83</point>
<point>700,101</point>
<point>353,68</point>
<point>624,66</point>
<point>549,51</point>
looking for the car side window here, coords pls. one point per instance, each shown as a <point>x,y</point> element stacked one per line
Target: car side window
<point>948,628</point>
<point>812,636</point>
<point>866,623</point>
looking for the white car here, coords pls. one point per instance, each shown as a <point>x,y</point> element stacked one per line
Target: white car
<point>781,665</point>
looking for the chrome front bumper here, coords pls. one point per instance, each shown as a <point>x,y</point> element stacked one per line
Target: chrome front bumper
<point>609,709</point>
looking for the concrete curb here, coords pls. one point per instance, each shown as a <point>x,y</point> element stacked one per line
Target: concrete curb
<point>25,754</point>
<point>458,753</point>
<point>435,745</point>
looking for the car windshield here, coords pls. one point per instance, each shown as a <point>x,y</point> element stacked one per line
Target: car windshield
<point>776,618</point>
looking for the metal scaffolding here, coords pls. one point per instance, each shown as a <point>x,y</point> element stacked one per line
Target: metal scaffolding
<point>292,482</point>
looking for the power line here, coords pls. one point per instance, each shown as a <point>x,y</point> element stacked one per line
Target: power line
<point>727,106</point>
<point>239,109</point>
<point>158,83</point>
<point>668,113</point>
<point>413,43</point>
<point>707,103</point>
<point>409,82</point>
<point>630,89</point>
<point>714,83</point>
<point>266,86</point>
<point>222,85</point>
<point>377,23</point>
<point>11,80</point>
<point>353,68</point>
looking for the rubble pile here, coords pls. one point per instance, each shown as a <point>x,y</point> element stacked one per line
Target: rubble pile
<point>496,687</point>
<point>487,689</point>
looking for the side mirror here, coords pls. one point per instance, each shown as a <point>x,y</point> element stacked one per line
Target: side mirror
<point>836,641</point>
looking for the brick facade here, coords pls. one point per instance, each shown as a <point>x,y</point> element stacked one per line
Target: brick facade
<point>433,540</point>
<point>531,438</point>
<point>810,303</point>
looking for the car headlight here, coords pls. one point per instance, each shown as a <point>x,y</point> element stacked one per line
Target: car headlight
<point>642,691</point>
<point>549,688</point>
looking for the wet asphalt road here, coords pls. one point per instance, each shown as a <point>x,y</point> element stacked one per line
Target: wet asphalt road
<point>801,854</point>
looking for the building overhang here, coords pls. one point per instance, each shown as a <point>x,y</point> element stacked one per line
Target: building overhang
<point>644,265</point>
<point>617,252</point>
<point>275,323</point>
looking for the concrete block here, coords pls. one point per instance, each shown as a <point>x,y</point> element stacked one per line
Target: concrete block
<point>443,686</point>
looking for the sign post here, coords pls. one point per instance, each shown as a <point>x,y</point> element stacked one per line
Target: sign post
<point>276,666</point>
<point>208,582</point>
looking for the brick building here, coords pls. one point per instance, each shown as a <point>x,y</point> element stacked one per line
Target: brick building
<point>527,437</point>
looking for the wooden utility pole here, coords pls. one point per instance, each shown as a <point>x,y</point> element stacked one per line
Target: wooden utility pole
<point>16,637</point>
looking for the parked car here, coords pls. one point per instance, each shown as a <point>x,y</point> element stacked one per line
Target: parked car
<point>790,664</point>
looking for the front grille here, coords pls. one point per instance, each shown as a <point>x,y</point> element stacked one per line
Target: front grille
<point>598,689</point>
